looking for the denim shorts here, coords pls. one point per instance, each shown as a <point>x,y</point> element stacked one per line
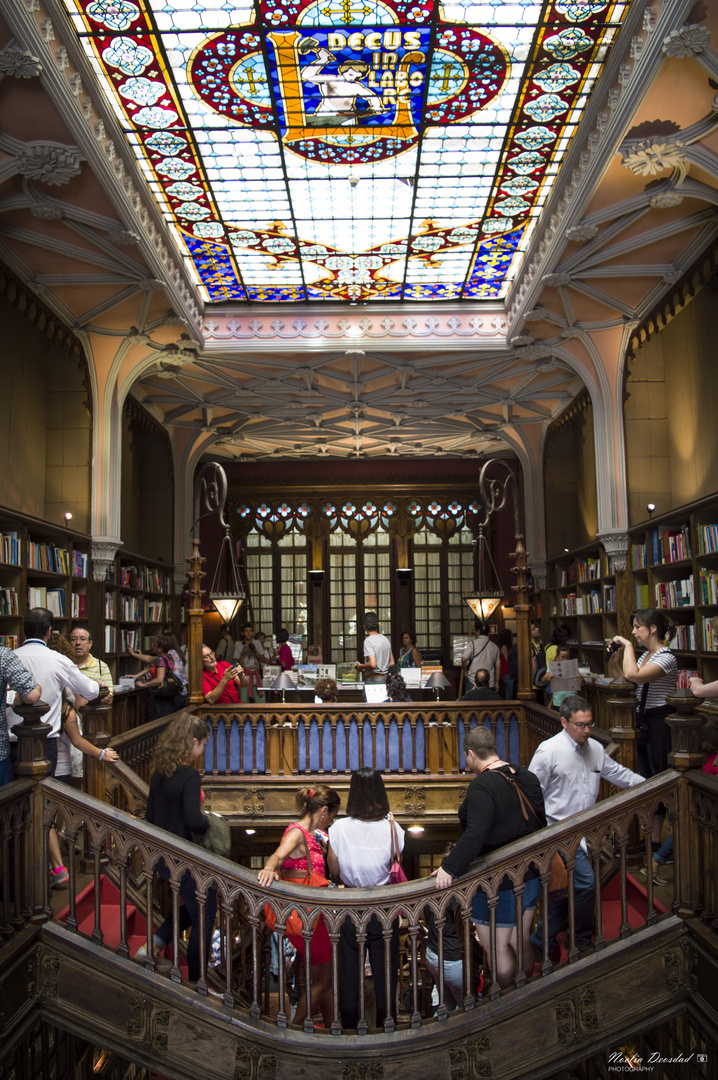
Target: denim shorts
<point>506,907</point>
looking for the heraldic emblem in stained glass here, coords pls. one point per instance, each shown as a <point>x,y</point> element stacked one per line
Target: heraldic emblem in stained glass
<point>343,150</point>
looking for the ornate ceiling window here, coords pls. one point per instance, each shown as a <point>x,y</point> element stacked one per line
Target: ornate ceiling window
<point>344,150</point>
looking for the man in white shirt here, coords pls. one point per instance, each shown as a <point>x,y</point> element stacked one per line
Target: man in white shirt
<point>482,652</point>
<point>53,672</point>
<point>378,657</point>
<point>570,767</point>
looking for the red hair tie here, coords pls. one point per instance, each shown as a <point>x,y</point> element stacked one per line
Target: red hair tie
<point>311,793</point>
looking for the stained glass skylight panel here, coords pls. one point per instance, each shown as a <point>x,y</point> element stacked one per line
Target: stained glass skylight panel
<point>336,150</point>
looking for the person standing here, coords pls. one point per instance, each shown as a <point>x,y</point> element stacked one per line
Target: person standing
<point>482,653</point>
<point>248,657</point>
<point>409,657</point>
<point>360,853</point>
<point>94,669</point>
<point>570,767</point>
<point>13,676</point>
<point>378,657</point>
<point>493,814</point>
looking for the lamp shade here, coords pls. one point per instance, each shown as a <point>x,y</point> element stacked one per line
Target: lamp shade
<point>226,604</point>
<point>484,604</point>
<point>284,681</point>
<point>437,679</point>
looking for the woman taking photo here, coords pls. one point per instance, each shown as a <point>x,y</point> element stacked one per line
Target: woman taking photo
<point>360,852</point>
<point>317,808</point>
<point>174,804</point>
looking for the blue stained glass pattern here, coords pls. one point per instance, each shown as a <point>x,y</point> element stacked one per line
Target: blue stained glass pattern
<point>334,150</point>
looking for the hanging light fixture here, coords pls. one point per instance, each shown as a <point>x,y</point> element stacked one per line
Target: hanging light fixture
<point>484,602</point>
<point>225,592</point>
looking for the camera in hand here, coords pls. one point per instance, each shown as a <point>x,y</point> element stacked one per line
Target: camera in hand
<point>613,647</point>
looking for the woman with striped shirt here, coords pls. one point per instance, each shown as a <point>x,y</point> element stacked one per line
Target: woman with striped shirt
<point>655,676</point>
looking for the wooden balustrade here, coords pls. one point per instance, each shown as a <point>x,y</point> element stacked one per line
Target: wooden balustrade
<point>127,842</point>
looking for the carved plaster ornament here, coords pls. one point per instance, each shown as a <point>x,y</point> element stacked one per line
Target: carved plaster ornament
<point>21,64</point>
<point>47,211</point>
<point>534,352</point>
<point>665,200</point>
<point>687,41</point>
<point>122,237</point>
<point>616,545</point>
<point>554,280</point>
<point>150,285</point>
<point>581,233</point>
<point>50,163</point>
<point>539,314</point>
<point>521,339</point>
<point>103,555</point>
<point>672,277</point>
<point>652,157</point>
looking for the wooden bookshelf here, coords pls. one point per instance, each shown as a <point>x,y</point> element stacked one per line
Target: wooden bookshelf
<point>137,606</point>
<point>41,565</point>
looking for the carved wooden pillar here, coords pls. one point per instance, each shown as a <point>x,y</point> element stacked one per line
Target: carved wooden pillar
<point>96,727</point>
<point>194,631</point>
<point>523,610</point>
<point>687,753</point>
<point>33,764</point>
<point>621,706</point>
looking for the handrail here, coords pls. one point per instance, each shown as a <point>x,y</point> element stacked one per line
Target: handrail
<point>115,834</point>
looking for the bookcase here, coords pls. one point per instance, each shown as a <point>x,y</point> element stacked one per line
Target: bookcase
<point>673,565</point>
<point>582,594</point>
<point>137,605</point>
<point>41,565</point>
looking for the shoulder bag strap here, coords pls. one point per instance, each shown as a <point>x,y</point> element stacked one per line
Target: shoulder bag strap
<point>523,797</point>
<point>395,855</point>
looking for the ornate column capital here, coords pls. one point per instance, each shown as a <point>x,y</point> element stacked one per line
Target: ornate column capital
<point>615,545</point>
<point>103,551</point>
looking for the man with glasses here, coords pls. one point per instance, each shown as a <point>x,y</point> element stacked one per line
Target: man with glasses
<point>570,767</point>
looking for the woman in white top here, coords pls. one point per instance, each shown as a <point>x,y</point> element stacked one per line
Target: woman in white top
<point>360,852</point>
<point>655,676</point>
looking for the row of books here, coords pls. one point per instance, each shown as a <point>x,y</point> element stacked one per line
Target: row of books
<point>609,597</point>
<point>669,543</point>
<point>10,548</point>
<point>685,638</point>
<point>79,605</point>
<point>8,602</point>
<point>581,605</point>
<point>110,608</point>
<point>131,577</point>
<point>641,594</point>
<point>9,641</point>
<point>683,676</point>
<point>589,569</point>
<point>155,611</point>
<point>710,634</point>
<point>709,586</point>
<point>675,594</point>
<point>131,609</point>
<point>707,539</point>
<point>122,640</point>
<point>156,580</point>
<point>54,599</point>
<point>568,575</point>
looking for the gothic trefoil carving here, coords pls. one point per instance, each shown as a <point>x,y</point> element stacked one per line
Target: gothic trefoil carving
<point>472,1060</point>
<point>362,1070</point>
<point>576,1017</point>
<point>251,1063</point>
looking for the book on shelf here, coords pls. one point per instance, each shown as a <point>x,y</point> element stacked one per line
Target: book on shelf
<point>53,599</point>
<point>130,577</point>
<point>110,608</point>
<point>639,556</point>
<point>110,639</point>
<point>154,580</point>
<point>569,604</point>
<point>589,569</point>
<point>609,598</point>
<point>79,606</point>
<point>10,548</point>
<point>675,594</point>
<point>608,567</point>
<point>708,586</point>
<point>154,611</point>
<point>8,602</point>
<point>568,575</point>
<point>707,539</point>
<point>131,609</point>
<point>129,639</point>
<point>48,558</point>
<point>9,641</point>
<point>79,564</point>
<point>669,543</point>
<point>685,638</point>
<point>641,594</point>
<point>710,633</point>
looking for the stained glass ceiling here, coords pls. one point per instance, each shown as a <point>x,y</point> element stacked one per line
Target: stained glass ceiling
<point>348,150</point>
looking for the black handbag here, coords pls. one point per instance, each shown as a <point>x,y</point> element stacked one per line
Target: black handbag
<point>170,686</point>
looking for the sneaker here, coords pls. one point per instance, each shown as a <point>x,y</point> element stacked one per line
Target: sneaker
<point>59,877</point>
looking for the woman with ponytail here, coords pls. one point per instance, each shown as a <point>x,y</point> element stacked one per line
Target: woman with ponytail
<point>316,809</point>
<point>655,675</point>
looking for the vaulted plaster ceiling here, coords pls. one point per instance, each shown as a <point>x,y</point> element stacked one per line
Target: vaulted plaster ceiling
<point>629,213</point>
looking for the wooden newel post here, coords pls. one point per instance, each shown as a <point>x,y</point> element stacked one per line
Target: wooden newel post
<point>522,607</point>
<point>686,726</point>
<point>195,627</point>
<point>687,753</point>
<point>96,727</point>
<point>33,764</point>
<point>621,705</point>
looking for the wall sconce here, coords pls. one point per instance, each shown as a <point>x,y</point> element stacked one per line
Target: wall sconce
<point>316,577</point>
<point>404,574</point>
<point>67,516</point>
<point>650,508</point>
